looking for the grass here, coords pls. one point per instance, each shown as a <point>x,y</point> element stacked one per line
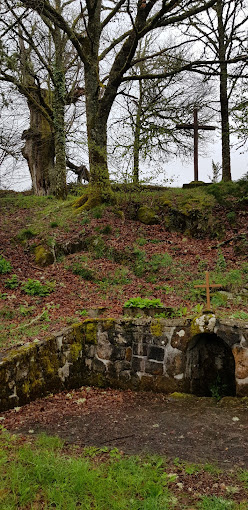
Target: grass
<point>41,473</point>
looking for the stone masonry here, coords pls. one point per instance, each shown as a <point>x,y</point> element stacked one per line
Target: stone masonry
<point>140,354</point>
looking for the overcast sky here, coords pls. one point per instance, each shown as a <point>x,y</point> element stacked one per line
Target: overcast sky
<point>184,172</point>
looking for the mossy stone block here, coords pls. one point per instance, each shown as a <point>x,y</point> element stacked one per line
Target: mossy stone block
<point>79,332</point>
<point>147,215</point>
<point>43,256</point>
<point>91,333</point>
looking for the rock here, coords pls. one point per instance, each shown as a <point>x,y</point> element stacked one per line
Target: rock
<point>241,362</point>
<point>43,256</point>
<point>147,216</point>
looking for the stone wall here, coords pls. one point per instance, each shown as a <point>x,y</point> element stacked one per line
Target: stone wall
<point>148,354</point>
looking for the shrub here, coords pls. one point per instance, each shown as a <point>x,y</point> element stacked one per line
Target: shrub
<point>13,282</point>
<point>5,266</point>
<point>36,288</point>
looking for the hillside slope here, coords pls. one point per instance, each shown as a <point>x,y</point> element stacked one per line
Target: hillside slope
<point>150,243</point>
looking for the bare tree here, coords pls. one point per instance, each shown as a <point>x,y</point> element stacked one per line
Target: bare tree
<point>106,37</point>
<point>37,62</point>
<point>153,107</point>
<point>222,31</point>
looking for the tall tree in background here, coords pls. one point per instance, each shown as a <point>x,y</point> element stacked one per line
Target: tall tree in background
<point>153,107</point>
<point>222,31</point>
<point>107,34</point>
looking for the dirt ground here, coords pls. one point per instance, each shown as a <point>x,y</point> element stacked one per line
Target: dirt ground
<point>192,429</point>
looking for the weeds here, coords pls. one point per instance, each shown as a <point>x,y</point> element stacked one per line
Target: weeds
<point>156,262</point>
<point>139,302</point>
<point>160,260</point>
<point>220,263</point>
<point>97,212</point>
<point>84,272</point>
<point>5,266</point>
<point>13,282</point>
<point>26,234</point>
<point>141,241</point>
<point>241,315</point>
<point>219,299</point>
<point>106,230</point>
<point>36,288</point>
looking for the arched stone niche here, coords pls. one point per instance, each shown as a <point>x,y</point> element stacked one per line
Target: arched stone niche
<point>210,366</point>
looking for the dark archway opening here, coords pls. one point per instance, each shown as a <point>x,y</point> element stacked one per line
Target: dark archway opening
<point>210,367</point>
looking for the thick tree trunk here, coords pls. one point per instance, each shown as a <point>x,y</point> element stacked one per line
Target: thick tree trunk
<point>225,131</point>
<point>99,186</point>
<point>39,151</point>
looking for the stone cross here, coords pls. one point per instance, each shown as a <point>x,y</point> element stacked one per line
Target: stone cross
<point>207,287</point>
<point>196,128</point>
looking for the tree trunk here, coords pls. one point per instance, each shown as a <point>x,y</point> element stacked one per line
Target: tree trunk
<point>59,177</point>
<point>39,151</point>
<point>99,186</point>
<point>136,145</point>
<point>225,131</point>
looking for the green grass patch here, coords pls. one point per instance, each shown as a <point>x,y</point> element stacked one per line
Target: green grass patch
<point>43,474</point>
<point>26,234</point>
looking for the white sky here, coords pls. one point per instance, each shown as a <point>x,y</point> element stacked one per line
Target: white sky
<point>175,169</point>
<point>185,171</point>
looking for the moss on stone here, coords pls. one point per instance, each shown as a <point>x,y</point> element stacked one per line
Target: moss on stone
<point>179,395</point>
<point>200,324</point>
<point>147,215</point>
<point>195,328</point>
<point>108,323</point>
<point>43,256</point>
<point>79,332</point>
<point>157,328</point>
<point>50,363</point>
<point>91,332</point>
<point>26,388</point>
<point>75,351</point>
